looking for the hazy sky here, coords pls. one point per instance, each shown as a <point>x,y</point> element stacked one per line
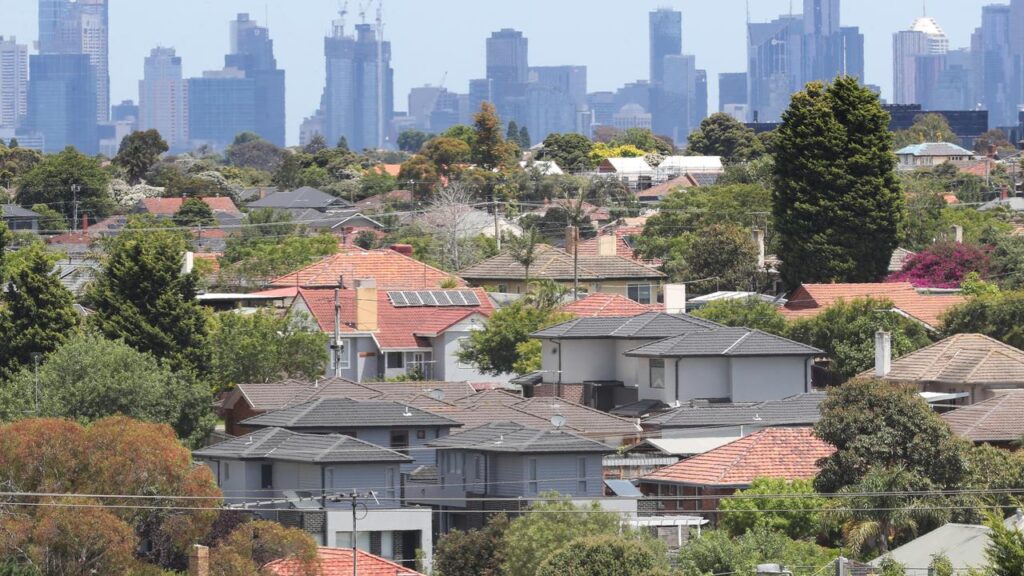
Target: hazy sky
<point>431,37</point>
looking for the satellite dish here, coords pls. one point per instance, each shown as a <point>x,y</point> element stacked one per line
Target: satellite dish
<point>558,421</point>
<point>437,394</point>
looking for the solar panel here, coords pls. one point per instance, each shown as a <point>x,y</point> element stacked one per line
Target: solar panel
<point>434,298</point>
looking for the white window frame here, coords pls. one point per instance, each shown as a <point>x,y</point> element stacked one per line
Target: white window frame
<point>534,483</point>
<point>652,368</point>
<point>345,358</point>
<point>639,288</point>
<point>581,475</point>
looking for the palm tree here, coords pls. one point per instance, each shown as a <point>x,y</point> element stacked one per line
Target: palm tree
<point>523,250</point>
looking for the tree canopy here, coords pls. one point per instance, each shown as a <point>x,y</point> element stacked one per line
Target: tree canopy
<point>54,181</point>
<point>570,151</point>
<point>998,316</point>
<point>194,212</point>
<point>926,128</point>
<point>263,347</point>
<point>138,153</point>
<point>745,313</point>
<point>790,507</point>
<point>722,135</point>
<point>602,555</point>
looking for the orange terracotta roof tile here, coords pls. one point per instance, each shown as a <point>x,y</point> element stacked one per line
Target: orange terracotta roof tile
<point>391,270</point>
<point>664,189</point>
<point>338,562</point>
<point>212,258</point>
<point>788,453</point>
<point>168,206</point>
<point>623,243</point>
<point>601,305</point>
<point>811,299</point>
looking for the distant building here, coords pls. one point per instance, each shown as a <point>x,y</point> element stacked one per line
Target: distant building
<point>80,27</point>
<point>991,44</point>
<point>508,72</point>
<point>666,39</point>
<point>632,116</point>
<point>774,56</point>
<point>924,38</point>
<point>732,90</point>
<point>252,51</point>
<point>966,124</point>
<point>421,103</point>
<point>127,110</point>
<point>62,102</point>
<point>163,98</point>
<point>13,82</point>
<point>553,97</point>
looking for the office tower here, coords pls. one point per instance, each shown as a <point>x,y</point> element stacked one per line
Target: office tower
<point>447,111</point>
<point>554,95</point>
<point>995,70</point>
<point>666,39</point>
<point>163,98</point>
<point>79,27</point>
<point>126,111</point>
<point>673,99</point>
<point>822,60</point>
<point>421,103</point>
<point>774,64</point>
<point>479,92</point>
<point>358,100</point>
<point>221,105</point>
<point>924,38</point>
<point>732,89</point>
<point>602,106</point>
<point>13,82</point>
<point>62,101</point>
<point>508,71</point>
<point>571,80</point>
<point>699,108</point>
<point>252,51</point>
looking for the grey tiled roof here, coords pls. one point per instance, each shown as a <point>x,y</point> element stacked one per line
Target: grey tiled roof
<point>305,197</point>
<point>554,264</point>
<point>801,409</point>
<point>725,342</point>
<point>275,395</point>
<point>280,444</point>
<point>653,325</point>
<point>15,211</point>
<point>511,437</point>
<point>347,413</point>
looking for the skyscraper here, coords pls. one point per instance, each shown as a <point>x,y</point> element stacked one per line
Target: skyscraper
<point>163,98</point>
<point>221,105</point>
<point>13,82</point>
<point>925,37</point>
<point>62,101</point>
<point>774,60</point>
<point>554,96</point>
<point>508,71</point>
<point>996,72</point>
<point>252,51</point>
<point>79,27</point>
<point>732,89</point>
<point>666,39</point>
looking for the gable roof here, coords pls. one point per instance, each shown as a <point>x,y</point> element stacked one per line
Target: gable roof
<point>811,299</point>
<point>899,259</point>
<point>626,166</point>
<point>624,236</point>
<point>724,342</point>
<point>649,326</point>
<point>788,453</point>
<point>601,304</point>
<point>963,544</point>
<point>554,264</point>
<point>933,149</point>
<point>336,412</point>
<point>280,444</point>
<point>512,437</point>
<point>338,562</point>
<point>799,409</point>
<point>391,270</point>
<point>997,419</point>
<point>961,359</point>
<point>655,193</point>
<point>170,206</point>
<point>305,197</point>
<point>263,396</point>
<point>15,211</point>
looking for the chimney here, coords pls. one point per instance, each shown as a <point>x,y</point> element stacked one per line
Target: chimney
<point>958,233</point>
<point>1004,193</point>
<point>883,353</point>
<point>572,236</point>
<point>199,561</point>
<point>403,249</point>
<point>85,224</point>
<point>188,262</point>
<point>366,305</point>
<point>758,237</point>
<point>607,245</point>
<point>675,298</point>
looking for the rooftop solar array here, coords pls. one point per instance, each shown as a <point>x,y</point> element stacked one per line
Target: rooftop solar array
<point>434,298</point>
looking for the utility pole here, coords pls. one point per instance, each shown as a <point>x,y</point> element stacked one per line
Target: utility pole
<point>75,189</point>
<point>336,344</point>
<point>355,552</point>
<point>497,229</point>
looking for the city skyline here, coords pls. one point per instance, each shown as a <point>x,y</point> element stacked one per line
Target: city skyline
<point>423,55</point>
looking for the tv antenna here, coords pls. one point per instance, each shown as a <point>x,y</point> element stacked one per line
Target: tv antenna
<point>558,421</point>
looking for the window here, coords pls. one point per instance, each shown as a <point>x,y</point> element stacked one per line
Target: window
<point>227,470</point>
<point>478,465</point>
<point>657,373</point>
<point>534,489</point>
<point>267,476</point>
<point>328,479</point>
<point>400,440</point>
<point>640,293</point>
<point>581,476</point>
<point>421,434</point>
<point>463,343</point>
<point>345,354</point>
<point>391,483</point>
<point>396,360</point>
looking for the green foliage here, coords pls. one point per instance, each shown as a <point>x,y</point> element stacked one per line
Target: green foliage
<point>891,567</point>
<point>846,332</point>
<point>495,349</point>
<point>999,316</point>
<point>465,133</point>
<point>419,174</point>
<point>570,151</point>
<point>138,153</point>
<point>50,220</point>
<point>272,245</point>
<point>878,424</point>
<point>50,182</point>
<point>725,255</point>
<point>89,378</point>
<point>256,153</point>
<point>973,285</point>
<point>716,552</point>
<point>600,151</point>
<point>194,212</point>
<point>748,313</point>
<point>412,140</point>
<point>489,149</point>
<point>602,555</point>
<point>446,153</point>
<point>926,128</point>
<point>941,566</point>
<point>801,519</point>
<point>837,204</point>
<point>979,227</point>
<point>722,135</point>
<point>549,524</point>
<point>472,553</point>
<point>643,139</point>
<point>1005,550</point>
<point>263,347</point>
<point>1007,262</point>
<point>15,162</point>
<point>995,139</point>
<point>141,296</point>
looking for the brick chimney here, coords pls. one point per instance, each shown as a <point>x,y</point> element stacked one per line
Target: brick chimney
<point>85,223</point>
<point>366,305</point>
<point>199,561</point>
<point>607,245</point>
<point>403,249</point>
<point>572,236</point>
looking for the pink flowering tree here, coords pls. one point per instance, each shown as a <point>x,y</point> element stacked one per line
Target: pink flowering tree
<point>944,265</point>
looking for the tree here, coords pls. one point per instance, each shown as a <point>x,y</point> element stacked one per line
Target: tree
<point>746,313</point>
<point>716,552</point>
<point>194,212</point>
<point>342,144</point>
<point>836,201</point>
<point>89,378</point>
<point>315,144</point>
<point>446,153</point>
<point>489,149</point>
<point>998,316</point>
<point>253,545</point>
<point>50,220</point>
<point>465,133</point>
<point>141,296</point>
<point>875,424</point>
<point>722,135</point>
<point>926,128</point>
<point>571,151</point>
<point>602,555</point>
<point>495,349</point>
<point>797,516</point>
<point>472,553</point>
<point>1005,550</point>
<point>256,153</point>
<point>846,332</point>
<point>412,140</point>
<point>994,140</point>
<point>264,347</point>
<point>943,265</point>
<point>548,525</point>
<point>524,138</point>
<point>55,179</point>
<point>512,134</point>
<point>643,139</point>
<point>727,256</point>
<point>1007,261</point>
<point>420,175</point>
<point>138,153</point>
<point>941,566</point>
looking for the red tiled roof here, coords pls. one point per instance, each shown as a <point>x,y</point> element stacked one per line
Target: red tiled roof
<point>980,168</point>
<point>623,247</point>
<point>662,190</point>
<point>811,299</point>
<point>601,305</point>
<point>389,169</point>
<point>288,292</point>
<point>391,270</point>
<point>212,258</point>
<point>169,206</point>
<point>398,328</point>
<point>788,453</point>
<point>338,562</point>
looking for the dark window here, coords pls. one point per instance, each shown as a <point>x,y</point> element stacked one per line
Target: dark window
<point>657,373</point>
<point>267,476</point>
<point>396,359</point>
<point>640,293</point>
<point>399,440</point>
<point>421,434</point>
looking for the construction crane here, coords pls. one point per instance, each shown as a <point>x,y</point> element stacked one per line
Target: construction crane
<point>339,24</point>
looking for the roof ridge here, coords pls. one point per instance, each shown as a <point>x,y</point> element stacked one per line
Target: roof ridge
<point>273,432</point>
<point>737,342</point>
<point>312,404</point>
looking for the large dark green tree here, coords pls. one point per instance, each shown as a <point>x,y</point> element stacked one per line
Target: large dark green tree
<point>264,347</point>
<point>570,151</point>
<point>138,153</point>
<point>722,135</point>
<point>59,179</point>
<point>489,149</point>
<point>142,297</point>
<point>837,203</point>
<point>194,212</point>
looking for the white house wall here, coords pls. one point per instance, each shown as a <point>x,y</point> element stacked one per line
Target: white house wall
<point>382,520</point>
<point>758,379</point>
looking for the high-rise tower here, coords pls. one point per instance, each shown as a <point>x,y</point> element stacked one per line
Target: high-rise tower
<point>163,98</point>
<point>13,82</point>
<point>666,39</point>
<point>508,70</point>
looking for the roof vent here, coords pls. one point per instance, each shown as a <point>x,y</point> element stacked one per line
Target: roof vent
<point>558,421</point>
<point>407,412</point>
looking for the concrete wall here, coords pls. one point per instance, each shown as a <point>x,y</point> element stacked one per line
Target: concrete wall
<point>508,475</point>
<point>757,379</point>
<point>581,360</point>
<point>388,521</point>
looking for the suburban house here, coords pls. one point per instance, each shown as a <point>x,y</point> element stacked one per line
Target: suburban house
<point>697,484</point>
<point>302,199</point>
<point>306,480</point>
<point>811,299</point>
<point>656,194</point>
<point>223,208</point>
<point>378,202</point>
<point>607,274</point>
<point>617,241</point>
<point>966,368</point>
<point>542,167</point>
<point>508,461</point>
<point>598,305</point>
<point>635,173</point>
<point>464,222</point>
<point>995,421</point>
<point>696,166</point>
<point>930,155</point>
<point>703,419</point>
<point>393,268</point>
<point>669,358</point>
<point>19,219</point>
<point>386,334</point>
<point>340,562</point>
